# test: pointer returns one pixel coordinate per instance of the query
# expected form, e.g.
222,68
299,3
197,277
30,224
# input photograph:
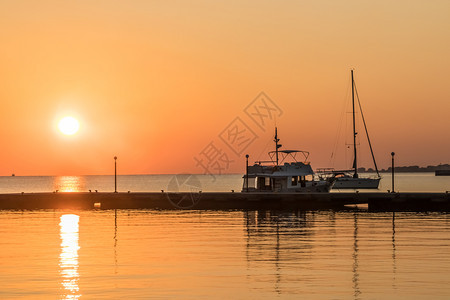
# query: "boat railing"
289,155
264,162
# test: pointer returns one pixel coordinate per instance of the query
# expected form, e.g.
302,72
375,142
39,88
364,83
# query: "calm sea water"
406,182
150,254
143,254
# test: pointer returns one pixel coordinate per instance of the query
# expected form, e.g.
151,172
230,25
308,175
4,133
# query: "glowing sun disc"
68,125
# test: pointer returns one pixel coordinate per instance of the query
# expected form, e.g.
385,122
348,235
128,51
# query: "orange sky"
155,82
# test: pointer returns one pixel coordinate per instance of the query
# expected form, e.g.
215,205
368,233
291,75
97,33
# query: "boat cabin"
292,176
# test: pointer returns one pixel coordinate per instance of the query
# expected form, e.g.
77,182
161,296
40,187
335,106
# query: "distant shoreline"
409,169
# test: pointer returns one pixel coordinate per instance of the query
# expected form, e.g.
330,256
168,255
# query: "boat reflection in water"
68,259
69,184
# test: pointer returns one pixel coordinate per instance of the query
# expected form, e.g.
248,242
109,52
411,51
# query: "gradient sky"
156,82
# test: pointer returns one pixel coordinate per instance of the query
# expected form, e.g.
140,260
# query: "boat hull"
315,187
323,186
356,183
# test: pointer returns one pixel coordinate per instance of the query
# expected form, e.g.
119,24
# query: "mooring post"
115,174
246,172
393,154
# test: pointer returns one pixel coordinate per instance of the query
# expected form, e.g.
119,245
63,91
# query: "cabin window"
263,183
294,180
302,181
251,182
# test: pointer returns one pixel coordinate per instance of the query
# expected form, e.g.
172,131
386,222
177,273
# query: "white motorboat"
284,173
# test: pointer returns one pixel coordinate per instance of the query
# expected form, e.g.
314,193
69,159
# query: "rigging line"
339,127
367,132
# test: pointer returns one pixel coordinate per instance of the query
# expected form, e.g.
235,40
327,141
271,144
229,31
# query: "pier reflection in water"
68,259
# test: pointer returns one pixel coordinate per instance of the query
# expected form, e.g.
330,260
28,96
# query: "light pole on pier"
393,154
115,174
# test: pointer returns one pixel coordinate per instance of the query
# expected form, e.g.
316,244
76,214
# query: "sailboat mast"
355,165
276,140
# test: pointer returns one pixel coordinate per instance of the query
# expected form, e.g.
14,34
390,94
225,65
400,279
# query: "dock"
226,201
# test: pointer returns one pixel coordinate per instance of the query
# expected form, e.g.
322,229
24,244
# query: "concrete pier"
227,200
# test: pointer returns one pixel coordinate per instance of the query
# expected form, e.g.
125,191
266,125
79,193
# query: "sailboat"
350,179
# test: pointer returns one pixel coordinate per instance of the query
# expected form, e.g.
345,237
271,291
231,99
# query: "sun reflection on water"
69,183
68,259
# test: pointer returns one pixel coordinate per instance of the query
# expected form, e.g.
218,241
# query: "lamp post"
246,172
393,154
115,174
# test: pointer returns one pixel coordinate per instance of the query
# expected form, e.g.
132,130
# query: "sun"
68,125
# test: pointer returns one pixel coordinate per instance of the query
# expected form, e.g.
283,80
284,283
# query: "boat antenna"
276,140
367,132
355,165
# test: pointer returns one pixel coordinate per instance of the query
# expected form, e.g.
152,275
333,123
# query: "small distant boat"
284,174
350,179
442,173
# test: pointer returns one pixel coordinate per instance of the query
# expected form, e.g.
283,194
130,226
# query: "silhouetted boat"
286,176
350,179
442,173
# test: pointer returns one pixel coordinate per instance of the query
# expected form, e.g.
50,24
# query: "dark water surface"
141,254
